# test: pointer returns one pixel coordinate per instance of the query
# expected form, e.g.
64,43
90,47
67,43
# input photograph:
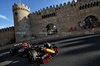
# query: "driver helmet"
24,44
47,45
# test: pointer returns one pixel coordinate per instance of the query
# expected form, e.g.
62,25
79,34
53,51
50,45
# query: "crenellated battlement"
64,16
20,7
52,9
7,29
89,5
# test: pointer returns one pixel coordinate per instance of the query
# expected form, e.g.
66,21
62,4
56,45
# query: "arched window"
51,29
90,22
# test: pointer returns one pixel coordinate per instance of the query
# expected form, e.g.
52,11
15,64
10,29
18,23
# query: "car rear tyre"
32,55
12,51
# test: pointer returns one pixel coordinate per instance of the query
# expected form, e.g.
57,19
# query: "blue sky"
6,14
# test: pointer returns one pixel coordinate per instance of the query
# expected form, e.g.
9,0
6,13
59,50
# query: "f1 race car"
35,53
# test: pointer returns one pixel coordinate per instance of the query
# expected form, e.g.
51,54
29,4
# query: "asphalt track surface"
74,51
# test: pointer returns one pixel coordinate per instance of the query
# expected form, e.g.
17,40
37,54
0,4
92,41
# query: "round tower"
21,22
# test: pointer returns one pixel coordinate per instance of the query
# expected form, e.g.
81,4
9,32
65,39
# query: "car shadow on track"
7,60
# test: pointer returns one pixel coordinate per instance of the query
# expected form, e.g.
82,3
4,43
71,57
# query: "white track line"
1,54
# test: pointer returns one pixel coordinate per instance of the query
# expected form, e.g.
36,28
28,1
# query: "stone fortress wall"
7,36
65,16
28,26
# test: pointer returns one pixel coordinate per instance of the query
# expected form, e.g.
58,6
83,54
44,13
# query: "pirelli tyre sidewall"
32,56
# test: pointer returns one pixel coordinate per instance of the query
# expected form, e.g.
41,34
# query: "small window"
94,4
88,5
16,13
80,7
91,4
54,14
46,16
50,15
42,16
97,3
74,4
85,5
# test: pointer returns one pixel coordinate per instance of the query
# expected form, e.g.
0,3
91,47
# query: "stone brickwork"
29,26
67,34
7,36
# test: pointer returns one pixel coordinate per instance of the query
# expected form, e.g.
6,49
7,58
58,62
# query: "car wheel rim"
10,52
30,58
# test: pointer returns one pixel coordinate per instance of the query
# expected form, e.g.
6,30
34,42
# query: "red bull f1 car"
35,53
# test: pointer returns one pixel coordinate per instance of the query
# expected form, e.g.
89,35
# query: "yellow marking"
51,51
31,57
30,53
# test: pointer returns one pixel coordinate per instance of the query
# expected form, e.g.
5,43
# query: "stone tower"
21,22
